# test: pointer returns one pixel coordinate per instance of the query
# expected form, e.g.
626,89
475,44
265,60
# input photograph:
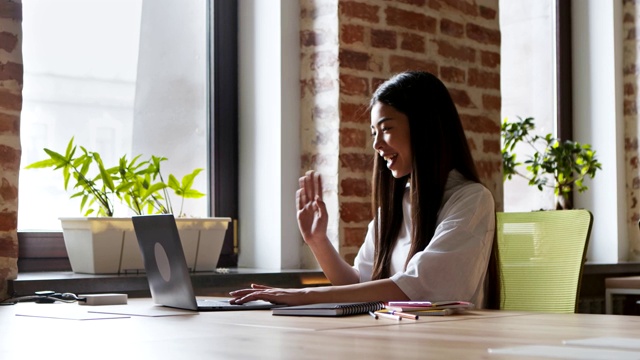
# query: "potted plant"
103,243
567,162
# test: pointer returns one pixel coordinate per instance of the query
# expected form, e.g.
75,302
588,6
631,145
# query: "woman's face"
390,132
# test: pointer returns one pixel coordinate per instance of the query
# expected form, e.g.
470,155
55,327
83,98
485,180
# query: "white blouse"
453,266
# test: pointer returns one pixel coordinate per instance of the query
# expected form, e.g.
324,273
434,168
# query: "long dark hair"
438,145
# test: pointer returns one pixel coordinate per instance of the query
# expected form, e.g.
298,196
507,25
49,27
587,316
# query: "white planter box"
109,246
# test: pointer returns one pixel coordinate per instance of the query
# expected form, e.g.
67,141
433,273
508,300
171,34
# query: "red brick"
8,249
484,79
412,42
453,75
403,63
10,10
353,138
628,18
8,192
355,212
472,144
8,222
487,169
384,39
629,89
353,85
483,35
314,161
410,20
354,236
487,13
9,158
461,98
8,41
491,102
451,28
630,144
313,38
354,59
354,113
489,59
375,82
356,162
315,86
351,34
11,71
479,124
465,6
413,2
355,187
490,146
9,124
349,257
10,101
631,34
630,107
447,50
629,69
359,10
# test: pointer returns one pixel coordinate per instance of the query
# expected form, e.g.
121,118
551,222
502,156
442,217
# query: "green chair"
541,256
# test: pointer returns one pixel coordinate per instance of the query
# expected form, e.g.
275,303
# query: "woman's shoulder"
458,187
456,182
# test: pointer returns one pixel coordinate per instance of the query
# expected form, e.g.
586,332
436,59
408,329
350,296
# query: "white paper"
51,312
141,310
607,342
568,352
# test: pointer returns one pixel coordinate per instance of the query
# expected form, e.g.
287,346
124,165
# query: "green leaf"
42,164
192,194
173,183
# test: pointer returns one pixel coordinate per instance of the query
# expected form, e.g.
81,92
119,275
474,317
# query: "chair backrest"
541,256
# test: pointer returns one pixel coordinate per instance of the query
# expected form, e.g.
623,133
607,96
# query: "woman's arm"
312,220
377,290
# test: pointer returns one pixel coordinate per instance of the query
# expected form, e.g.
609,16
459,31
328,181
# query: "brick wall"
631,76
364,43
10,106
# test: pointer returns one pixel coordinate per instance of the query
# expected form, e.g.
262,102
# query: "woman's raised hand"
311,209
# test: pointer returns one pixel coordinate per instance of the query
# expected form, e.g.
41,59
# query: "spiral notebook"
330,309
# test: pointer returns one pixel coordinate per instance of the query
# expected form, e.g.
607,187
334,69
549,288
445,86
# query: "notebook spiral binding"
361,308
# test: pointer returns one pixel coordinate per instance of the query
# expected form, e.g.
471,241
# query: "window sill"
217,283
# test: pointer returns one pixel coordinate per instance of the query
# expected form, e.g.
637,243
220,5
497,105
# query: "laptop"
166,267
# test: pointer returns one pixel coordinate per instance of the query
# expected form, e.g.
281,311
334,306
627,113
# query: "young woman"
432,234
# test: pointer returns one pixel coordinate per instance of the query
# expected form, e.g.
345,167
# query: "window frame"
45,251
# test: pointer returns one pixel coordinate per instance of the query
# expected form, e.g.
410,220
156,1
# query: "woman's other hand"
311,209
273,295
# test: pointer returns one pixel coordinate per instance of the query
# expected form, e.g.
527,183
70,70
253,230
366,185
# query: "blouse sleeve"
363,262
453,266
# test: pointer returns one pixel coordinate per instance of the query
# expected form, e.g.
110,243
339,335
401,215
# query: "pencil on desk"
405,315
387,315
375,316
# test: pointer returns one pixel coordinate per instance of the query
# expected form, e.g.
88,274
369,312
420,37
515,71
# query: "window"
129,77
536,81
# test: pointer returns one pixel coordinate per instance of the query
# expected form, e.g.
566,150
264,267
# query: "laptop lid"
167,271
164,261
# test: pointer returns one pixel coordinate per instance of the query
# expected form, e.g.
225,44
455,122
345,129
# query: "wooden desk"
259,335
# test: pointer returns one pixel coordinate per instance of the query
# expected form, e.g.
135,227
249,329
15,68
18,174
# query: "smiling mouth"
390,159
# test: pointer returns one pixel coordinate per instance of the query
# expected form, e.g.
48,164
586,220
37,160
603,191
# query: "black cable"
44,297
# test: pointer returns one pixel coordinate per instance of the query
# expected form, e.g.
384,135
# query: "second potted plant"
567,163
